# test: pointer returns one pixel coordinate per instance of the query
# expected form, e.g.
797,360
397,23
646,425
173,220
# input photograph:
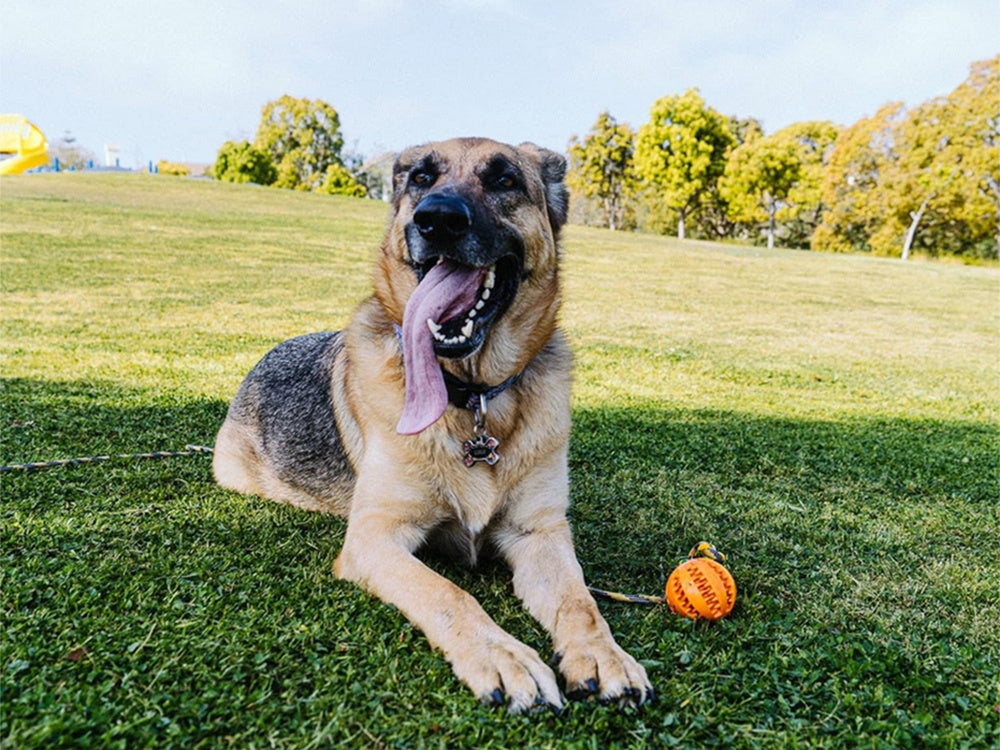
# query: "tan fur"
407,486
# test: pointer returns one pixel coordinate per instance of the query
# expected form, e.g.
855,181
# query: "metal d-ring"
480,413
481,447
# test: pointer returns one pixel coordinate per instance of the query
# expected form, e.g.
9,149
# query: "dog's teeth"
480,305
486,293
435,328
460,339
471,314
491,279
467,330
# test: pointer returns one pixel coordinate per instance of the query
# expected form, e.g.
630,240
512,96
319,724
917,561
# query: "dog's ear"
553,170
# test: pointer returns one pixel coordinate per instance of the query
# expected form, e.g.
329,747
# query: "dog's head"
471,252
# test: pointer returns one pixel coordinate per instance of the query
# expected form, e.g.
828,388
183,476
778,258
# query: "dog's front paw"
599,667
503,671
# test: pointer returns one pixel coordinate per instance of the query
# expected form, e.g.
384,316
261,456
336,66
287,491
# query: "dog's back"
280,438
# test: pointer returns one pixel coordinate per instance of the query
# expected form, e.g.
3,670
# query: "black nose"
442,216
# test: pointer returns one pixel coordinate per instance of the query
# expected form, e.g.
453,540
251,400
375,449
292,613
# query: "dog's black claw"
584,691
650,695
541,705
556,658
495,699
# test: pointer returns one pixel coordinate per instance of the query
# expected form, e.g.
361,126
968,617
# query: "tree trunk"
994,186
772,209
680,225
911,233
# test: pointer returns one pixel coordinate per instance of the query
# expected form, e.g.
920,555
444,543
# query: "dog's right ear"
553,169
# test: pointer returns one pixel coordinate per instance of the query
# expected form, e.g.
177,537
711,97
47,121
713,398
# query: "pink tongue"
446,290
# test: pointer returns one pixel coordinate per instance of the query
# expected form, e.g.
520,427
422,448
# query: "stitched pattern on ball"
701,588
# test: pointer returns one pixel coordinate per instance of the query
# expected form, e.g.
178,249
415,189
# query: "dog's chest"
466,504
470,497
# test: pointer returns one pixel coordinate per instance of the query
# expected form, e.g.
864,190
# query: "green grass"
831,422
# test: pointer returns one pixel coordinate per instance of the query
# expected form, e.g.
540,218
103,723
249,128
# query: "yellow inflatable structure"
22,145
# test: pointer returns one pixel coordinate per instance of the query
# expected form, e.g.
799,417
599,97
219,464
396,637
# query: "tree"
759,176
943,188
601,167
243,162
919,182
302,137
713,215
804,207
855,207
975,131
681,152
339,181
745,129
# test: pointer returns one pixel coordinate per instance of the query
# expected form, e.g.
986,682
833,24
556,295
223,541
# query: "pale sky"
174,80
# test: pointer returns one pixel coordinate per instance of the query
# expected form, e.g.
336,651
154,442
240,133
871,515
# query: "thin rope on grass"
616,596
189,450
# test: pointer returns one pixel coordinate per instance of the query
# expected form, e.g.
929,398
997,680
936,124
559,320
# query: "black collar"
466,395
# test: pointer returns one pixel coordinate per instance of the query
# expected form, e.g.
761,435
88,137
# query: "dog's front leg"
536,541
378,555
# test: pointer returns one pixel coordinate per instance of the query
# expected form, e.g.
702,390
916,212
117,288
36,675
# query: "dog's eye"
506,181
421,178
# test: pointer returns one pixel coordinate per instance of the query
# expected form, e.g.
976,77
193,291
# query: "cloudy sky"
175,79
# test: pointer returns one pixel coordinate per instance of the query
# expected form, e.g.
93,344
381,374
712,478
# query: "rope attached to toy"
700,587
189,450
617,596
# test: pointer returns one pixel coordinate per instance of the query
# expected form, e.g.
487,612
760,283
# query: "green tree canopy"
681,152
918,185
975,132
601,167
302,137
855,208
242,162
925,178
759,176
339,181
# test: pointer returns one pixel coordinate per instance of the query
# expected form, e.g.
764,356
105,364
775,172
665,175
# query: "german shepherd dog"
440,416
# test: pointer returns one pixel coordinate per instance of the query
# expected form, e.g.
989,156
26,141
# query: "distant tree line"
925,179
299,146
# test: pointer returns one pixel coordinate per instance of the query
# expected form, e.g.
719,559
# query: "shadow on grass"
160,606
661,477
657,481
646,482
911,458
45,420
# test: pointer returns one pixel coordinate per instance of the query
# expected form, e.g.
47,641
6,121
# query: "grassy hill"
831,422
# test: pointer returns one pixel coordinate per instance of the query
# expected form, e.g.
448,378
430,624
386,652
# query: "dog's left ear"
553,170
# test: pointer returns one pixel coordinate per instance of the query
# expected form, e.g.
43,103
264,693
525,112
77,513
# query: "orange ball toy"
700,587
